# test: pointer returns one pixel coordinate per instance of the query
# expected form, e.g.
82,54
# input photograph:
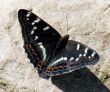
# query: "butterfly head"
66,37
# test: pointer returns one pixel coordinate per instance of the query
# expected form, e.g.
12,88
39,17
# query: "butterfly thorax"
61,44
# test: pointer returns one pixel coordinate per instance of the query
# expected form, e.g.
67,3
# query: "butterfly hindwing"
74,56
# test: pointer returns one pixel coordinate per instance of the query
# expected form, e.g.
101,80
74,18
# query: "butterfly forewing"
39,37
34,28
74,56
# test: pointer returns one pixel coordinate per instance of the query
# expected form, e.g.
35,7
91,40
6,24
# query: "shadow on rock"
82,80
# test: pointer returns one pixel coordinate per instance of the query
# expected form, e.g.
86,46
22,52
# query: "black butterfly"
50,53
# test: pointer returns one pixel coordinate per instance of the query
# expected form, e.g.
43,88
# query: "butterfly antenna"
68,27
67,22
60,27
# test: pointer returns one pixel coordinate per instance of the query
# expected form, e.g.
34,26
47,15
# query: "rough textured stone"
87,21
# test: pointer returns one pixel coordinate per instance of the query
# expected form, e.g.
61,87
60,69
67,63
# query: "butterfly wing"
74,56
39,37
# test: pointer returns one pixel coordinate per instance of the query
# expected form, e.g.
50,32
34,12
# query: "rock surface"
86,21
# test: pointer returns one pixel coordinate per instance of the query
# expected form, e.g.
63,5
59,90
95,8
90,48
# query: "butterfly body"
50,53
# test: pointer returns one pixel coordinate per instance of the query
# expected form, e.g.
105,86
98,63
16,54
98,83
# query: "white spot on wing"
29,12
70,70
27,18
64,58
41,46
80,55
60,59
28,15
86,49
93,54
34,28
78,46
37,20
46,28
33,23
71,58
39,43
43,50
77,59
84,54
89,57
36,37
32,32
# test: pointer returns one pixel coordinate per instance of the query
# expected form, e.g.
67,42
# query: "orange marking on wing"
51,69
40,62
60,66
48,70
35,54
33,50
40,66
65,66
55,68
38,59
29,46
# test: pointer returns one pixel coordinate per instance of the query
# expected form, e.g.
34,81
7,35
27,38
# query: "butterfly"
50,53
